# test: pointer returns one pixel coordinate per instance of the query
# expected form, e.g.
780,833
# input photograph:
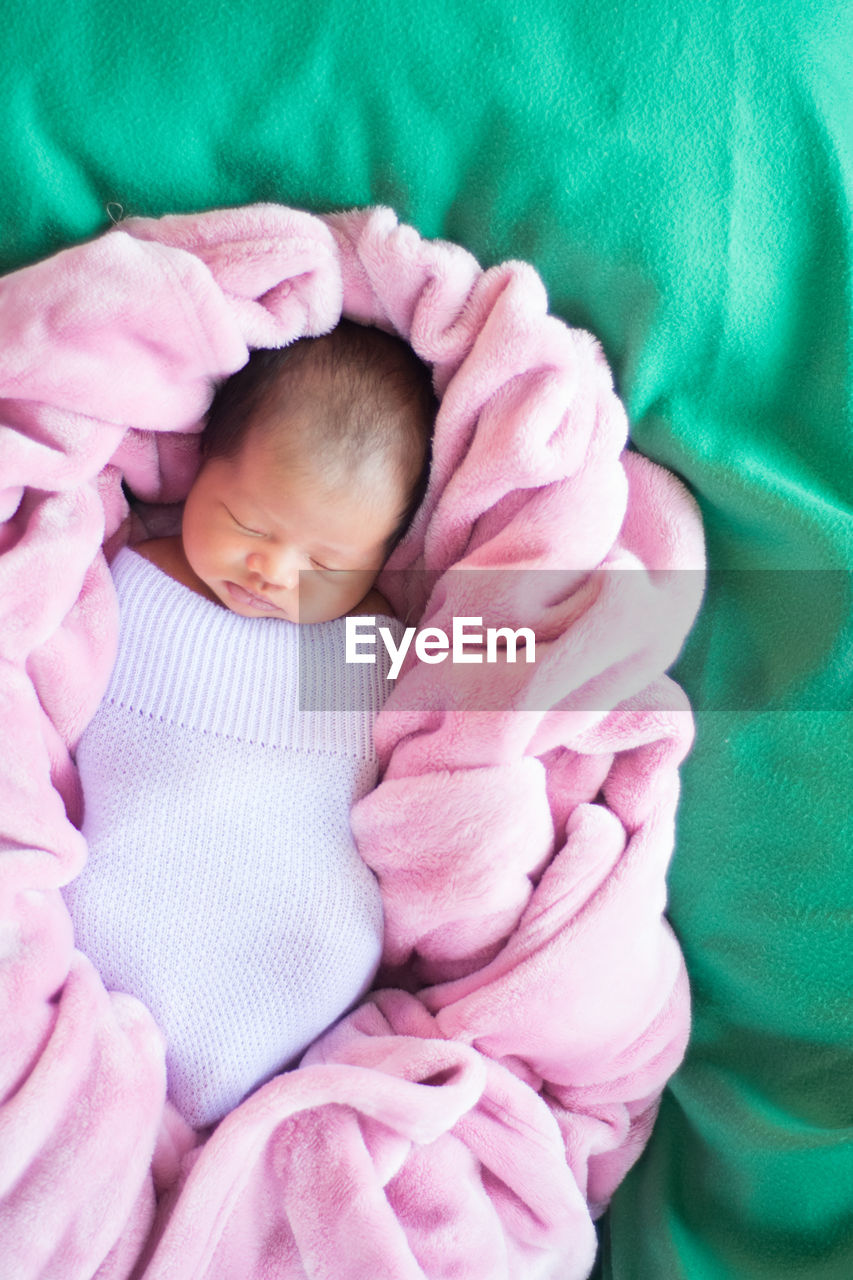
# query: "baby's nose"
278,568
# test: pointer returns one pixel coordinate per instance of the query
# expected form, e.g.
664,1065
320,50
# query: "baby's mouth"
240,596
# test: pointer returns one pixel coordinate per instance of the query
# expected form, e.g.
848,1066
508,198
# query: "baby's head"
314,457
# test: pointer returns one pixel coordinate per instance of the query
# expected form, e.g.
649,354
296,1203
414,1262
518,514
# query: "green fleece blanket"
680,175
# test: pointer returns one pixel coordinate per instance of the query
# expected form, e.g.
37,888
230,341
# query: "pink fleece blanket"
472,1117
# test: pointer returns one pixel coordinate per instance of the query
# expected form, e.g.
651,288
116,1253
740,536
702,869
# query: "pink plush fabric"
472,1117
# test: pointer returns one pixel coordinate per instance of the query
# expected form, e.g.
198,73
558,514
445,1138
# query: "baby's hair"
362,393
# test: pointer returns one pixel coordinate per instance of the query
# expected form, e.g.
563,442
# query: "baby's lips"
247,599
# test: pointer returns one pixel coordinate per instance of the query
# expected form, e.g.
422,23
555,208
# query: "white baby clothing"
223,886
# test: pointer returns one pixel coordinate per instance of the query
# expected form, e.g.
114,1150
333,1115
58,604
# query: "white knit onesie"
223,886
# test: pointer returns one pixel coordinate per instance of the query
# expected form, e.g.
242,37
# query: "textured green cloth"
681,176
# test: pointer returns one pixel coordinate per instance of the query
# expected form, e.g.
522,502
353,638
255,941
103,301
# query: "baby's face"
252,524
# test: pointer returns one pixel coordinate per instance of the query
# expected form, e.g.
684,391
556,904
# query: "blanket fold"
476,1116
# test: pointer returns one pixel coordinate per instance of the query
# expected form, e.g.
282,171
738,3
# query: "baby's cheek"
323,597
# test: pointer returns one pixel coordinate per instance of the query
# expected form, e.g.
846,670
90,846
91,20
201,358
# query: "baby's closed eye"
257,533
326,568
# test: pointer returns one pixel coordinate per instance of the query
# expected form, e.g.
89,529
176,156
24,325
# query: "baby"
223,886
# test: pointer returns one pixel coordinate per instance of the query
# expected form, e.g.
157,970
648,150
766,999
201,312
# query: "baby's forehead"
265,475
333,463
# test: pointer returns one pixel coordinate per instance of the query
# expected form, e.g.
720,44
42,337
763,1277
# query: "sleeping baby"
223,886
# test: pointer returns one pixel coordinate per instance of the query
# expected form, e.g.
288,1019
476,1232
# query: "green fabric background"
681,176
